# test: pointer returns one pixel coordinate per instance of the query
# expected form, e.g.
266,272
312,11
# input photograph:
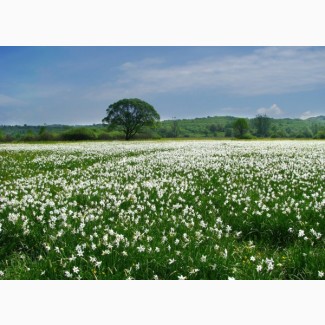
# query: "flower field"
163,210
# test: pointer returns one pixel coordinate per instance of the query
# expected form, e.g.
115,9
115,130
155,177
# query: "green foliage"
213,129
240,127
29,136
131,115
45,135
185,128
262,123
2,136
228,132
304,133
42,130
77,134
175,129
167,210
113,135
147,133
320,134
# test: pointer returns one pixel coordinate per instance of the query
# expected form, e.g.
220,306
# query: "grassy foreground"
163,210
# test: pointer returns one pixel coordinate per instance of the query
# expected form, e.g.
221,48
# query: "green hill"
221,126
216,126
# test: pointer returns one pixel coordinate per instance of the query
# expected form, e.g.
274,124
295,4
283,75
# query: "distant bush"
279,134
8,138
147,134
29,136
320,134
228,132
77,134
46,136
104,136
110,135
248,136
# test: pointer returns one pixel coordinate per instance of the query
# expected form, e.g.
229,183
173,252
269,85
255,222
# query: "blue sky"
75,85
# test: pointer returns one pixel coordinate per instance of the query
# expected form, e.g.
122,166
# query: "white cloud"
271,111
7,100
307,114
271,70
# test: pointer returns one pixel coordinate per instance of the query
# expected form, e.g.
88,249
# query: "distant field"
163,210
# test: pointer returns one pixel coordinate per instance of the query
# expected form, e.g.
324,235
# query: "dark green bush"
320,134
46,136
77,134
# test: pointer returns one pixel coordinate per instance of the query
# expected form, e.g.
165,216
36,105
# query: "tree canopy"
131,115
240,127
262,124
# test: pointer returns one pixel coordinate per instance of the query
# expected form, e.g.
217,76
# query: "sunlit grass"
163,210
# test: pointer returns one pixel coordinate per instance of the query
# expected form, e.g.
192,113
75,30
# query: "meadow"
163,210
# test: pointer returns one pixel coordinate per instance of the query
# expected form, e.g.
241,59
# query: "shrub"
248,136
77,134
29,136
320,134
46,136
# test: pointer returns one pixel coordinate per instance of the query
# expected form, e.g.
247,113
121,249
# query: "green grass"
163,209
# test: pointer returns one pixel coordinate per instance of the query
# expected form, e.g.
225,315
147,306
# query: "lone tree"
240,127
130,115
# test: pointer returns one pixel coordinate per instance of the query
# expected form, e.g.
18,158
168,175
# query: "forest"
206,127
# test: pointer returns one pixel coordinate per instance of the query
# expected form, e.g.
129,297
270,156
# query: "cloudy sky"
75,85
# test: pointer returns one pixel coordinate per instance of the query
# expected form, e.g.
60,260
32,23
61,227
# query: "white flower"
13,217
193,271
141,248
225,254
75,269
301,233
252,258
68,274
259,268
320,274
231,278
2,273
181,277
171,261
270,264
203,258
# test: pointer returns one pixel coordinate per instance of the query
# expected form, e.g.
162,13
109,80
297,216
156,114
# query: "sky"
75,85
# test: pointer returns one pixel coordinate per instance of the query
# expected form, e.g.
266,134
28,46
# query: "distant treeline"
209,127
